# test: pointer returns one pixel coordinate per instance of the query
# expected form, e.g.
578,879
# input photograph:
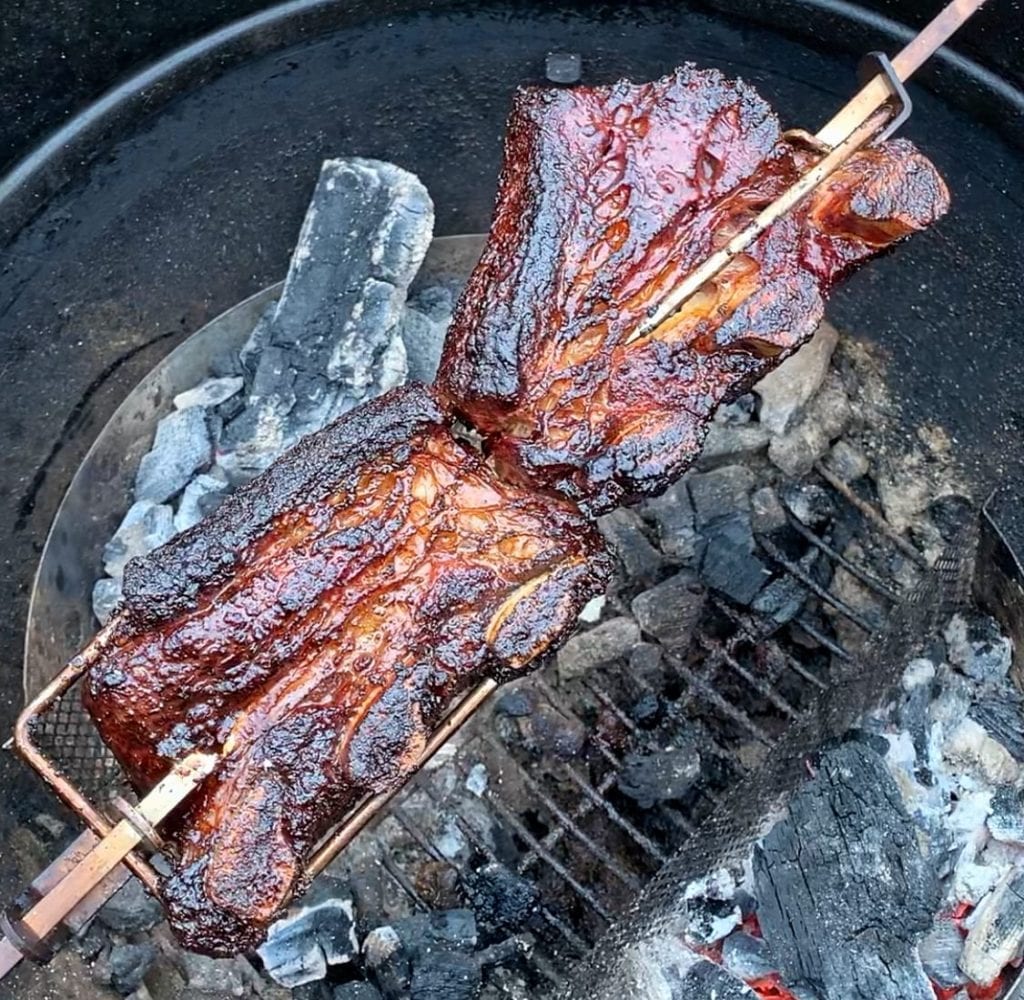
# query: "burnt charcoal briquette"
844,889
501,899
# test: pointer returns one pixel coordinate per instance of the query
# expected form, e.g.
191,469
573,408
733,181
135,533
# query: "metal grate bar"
765,690
535,845
868,579
699,688
558,702
811,584
396,872
567,825
576,942
872,513
818,636
606,700
614,815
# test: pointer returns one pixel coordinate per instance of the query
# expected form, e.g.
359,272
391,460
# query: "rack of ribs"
314,630
608,198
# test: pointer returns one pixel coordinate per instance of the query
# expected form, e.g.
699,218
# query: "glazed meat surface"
608,197
314,629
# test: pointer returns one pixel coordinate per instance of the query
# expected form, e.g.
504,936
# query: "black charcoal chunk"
766,511
563,67
746,956
129,964
659,775
845,892
106,595
130,910
730,443
424,340
180,449
718,494
781,600
670,611
1006,820
445,975
548,731
672,514
729,564
502,899
811,504
623,530
1002,716
705,979
605,642
146,526
202,496
356,991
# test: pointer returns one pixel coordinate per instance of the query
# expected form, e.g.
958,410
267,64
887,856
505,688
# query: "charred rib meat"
314,630
608,197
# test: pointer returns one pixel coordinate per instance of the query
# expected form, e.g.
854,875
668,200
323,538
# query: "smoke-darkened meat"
608,197
315,628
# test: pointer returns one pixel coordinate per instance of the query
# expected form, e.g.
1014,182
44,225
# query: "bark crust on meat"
325,617
608,198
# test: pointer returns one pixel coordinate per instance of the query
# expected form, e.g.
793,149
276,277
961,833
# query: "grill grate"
563,823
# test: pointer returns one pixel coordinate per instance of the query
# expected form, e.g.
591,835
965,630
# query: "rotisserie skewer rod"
849,130
43,918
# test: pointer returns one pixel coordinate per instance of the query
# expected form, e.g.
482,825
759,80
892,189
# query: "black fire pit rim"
71,150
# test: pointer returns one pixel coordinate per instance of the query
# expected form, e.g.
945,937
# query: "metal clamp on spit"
878,64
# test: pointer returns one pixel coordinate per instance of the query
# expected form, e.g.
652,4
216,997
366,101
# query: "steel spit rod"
852,127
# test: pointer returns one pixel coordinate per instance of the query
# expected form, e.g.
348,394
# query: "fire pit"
739,600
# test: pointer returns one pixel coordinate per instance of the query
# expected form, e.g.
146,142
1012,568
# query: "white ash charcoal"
146,526
659,775
476,780
423,338
672,513
843,887
918,673
940,950
199,498
593,608
563,67
210,393
249,355
623,530
606,642
746,956
810,504
313,935
996,936
847,461
781,600
221,976
710,908
670,611
335,337
739,411
969,746
729,443
729,564
451,841
972,881
720,493
785,391
106,595
826,417
782,393
180,449
1006,821
978,648
766,511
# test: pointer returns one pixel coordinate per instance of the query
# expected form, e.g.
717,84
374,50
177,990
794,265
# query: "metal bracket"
878,64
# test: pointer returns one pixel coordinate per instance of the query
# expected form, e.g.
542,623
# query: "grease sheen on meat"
608,197
315,628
